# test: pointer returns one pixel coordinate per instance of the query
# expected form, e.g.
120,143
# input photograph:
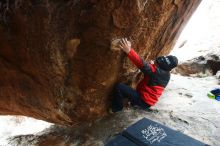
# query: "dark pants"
122,91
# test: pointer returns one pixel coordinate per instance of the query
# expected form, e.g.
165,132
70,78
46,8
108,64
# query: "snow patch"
19,125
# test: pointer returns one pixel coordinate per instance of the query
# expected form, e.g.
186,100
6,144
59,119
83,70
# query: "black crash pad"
149,133
146,132
120,141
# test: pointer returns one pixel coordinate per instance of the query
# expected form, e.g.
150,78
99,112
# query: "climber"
149,89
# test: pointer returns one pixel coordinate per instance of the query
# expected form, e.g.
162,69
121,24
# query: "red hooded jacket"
155,79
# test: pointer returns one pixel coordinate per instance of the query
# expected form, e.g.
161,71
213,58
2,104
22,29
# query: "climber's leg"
120,92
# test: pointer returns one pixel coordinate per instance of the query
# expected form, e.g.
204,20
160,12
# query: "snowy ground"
192,112
202,33
184,106
19,125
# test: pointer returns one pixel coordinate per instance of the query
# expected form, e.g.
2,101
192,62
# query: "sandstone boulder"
56,59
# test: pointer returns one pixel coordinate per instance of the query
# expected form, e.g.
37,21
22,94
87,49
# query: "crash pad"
120,141
146,132
150,133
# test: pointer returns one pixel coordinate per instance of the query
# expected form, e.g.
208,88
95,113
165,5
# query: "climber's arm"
125,45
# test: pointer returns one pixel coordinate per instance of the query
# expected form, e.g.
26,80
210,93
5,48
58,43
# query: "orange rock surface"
56,59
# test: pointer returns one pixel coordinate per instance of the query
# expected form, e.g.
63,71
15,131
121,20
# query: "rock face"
55,57
201,66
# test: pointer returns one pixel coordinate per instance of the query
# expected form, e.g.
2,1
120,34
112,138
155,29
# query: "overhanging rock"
55,57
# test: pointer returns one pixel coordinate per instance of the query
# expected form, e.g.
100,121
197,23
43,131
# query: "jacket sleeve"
140,63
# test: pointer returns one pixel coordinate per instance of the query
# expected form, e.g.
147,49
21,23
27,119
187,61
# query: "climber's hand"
125,45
